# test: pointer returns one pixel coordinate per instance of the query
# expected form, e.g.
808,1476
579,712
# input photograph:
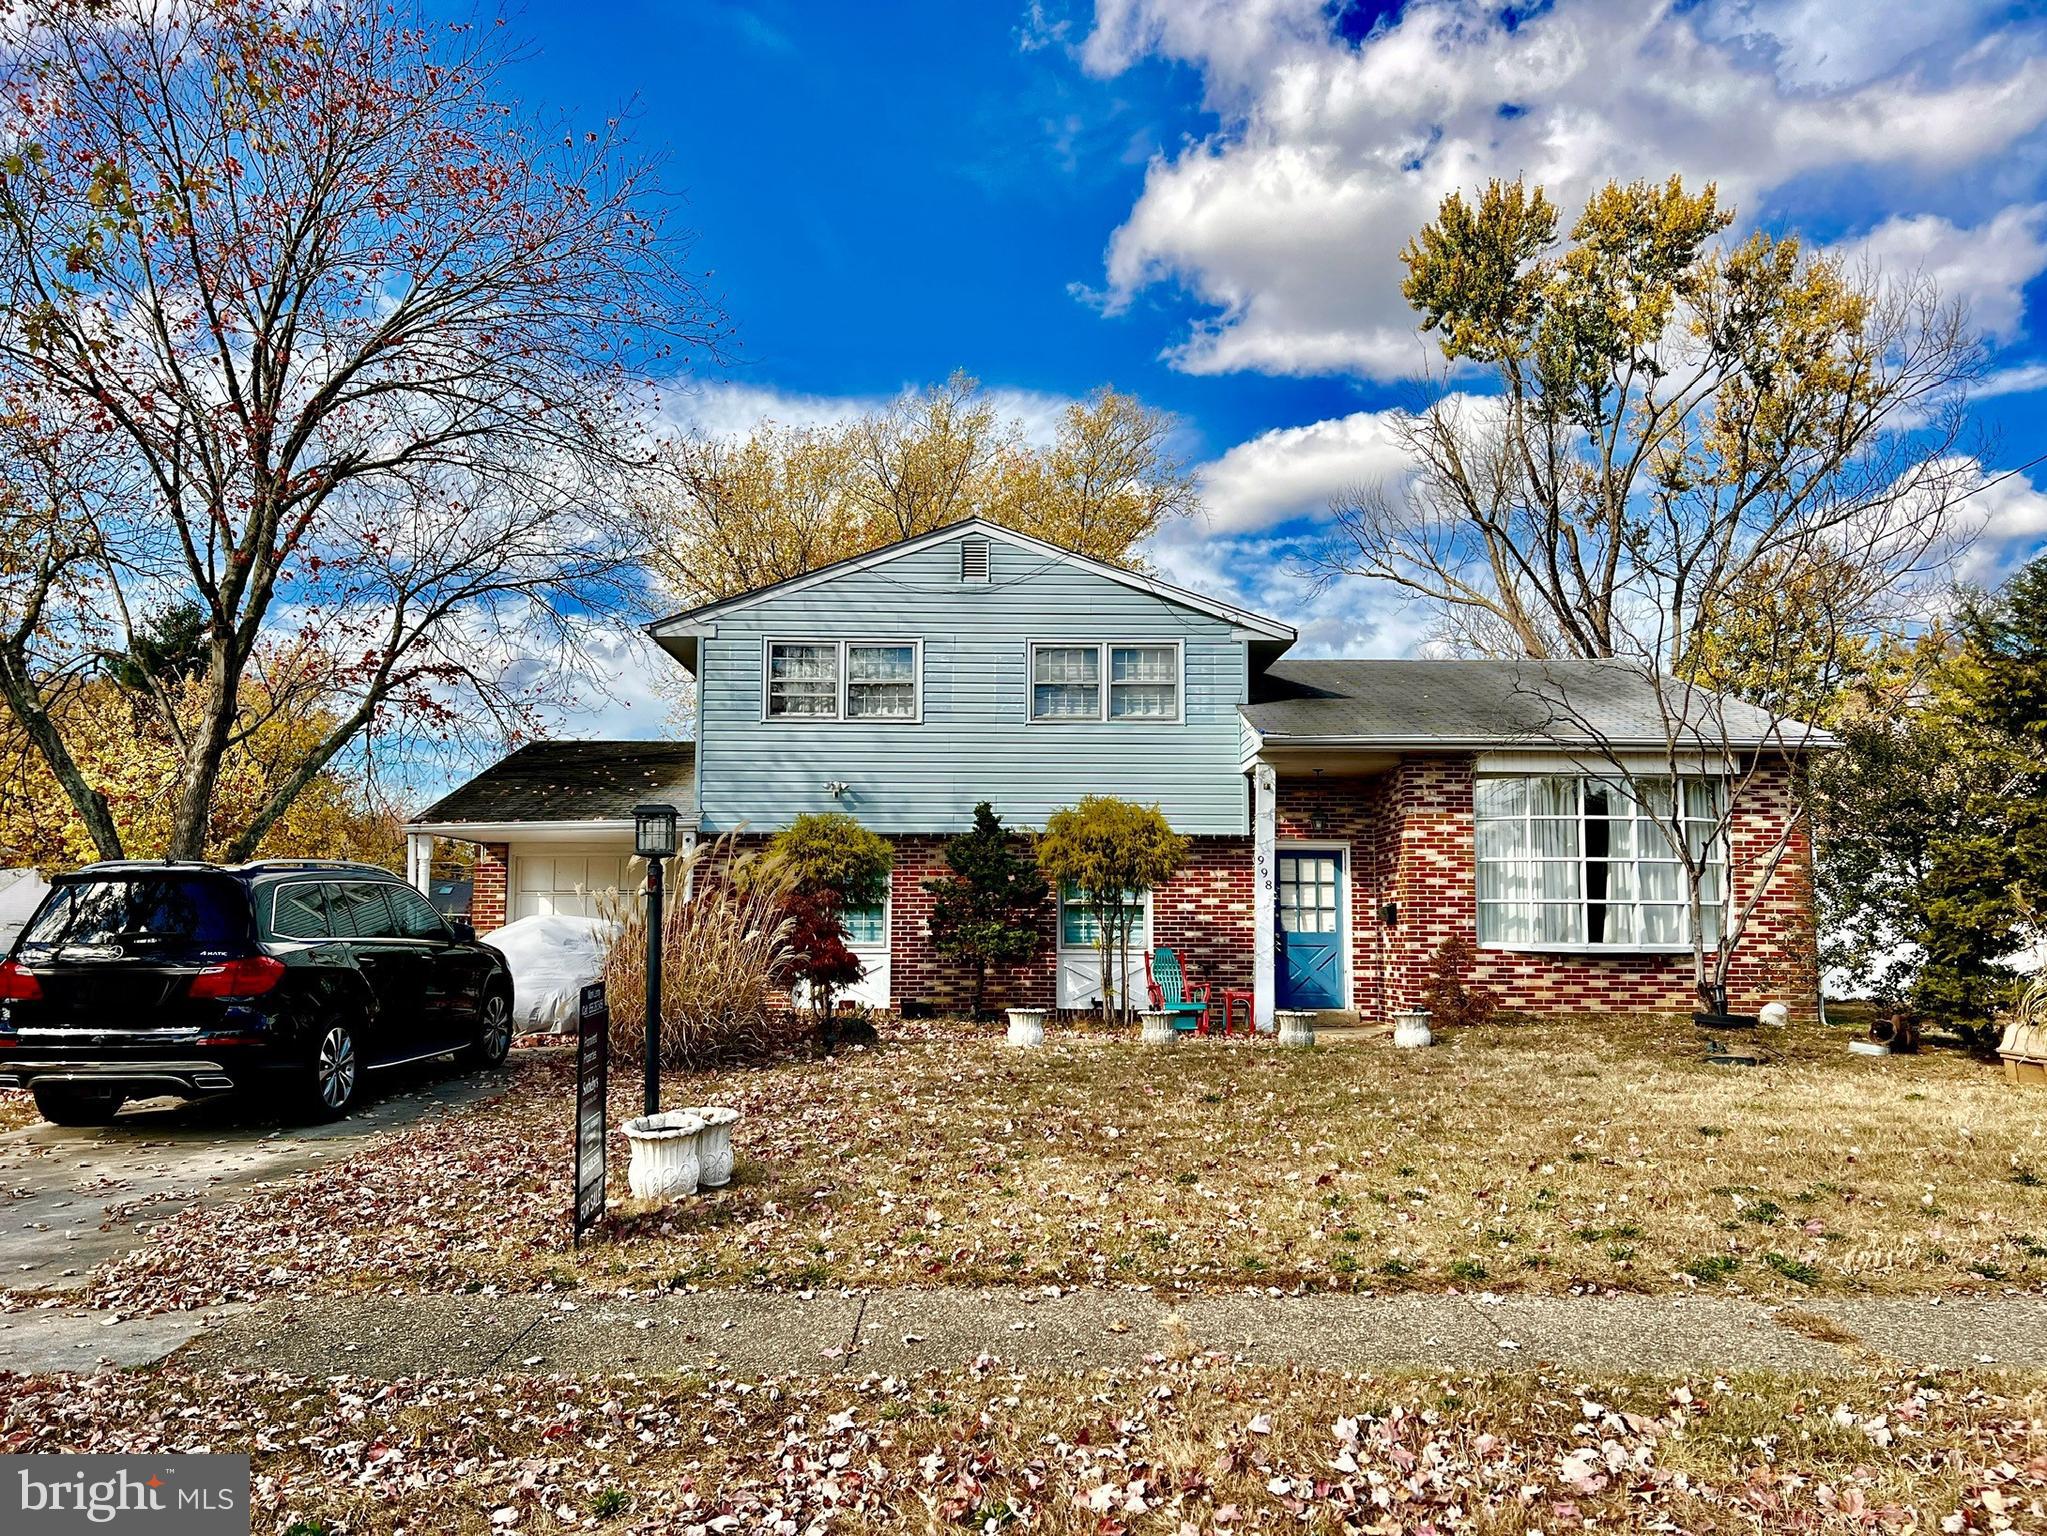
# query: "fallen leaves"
940,1158
1210,1445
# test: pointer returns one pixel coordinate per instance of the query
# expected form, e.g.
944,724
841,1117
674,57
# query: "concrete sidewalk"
906,1331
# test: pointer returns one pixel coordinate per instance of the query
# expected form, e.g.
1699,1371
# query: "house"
1346,817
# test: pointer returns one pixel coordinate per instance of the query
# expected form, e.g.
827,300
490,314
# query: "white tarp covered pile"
21,892
552,958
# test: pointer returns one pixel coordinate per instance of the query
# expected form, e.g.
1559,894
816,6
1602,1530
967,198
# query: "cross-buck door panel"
1310,928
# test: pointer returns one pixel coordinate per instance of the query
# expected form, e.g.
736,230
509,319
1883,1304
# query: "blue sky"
1201,200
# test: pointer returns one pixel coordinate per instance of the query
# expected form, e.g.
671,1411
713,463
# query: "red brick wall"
919,973
1204,913
487,901
1426,865
1409,832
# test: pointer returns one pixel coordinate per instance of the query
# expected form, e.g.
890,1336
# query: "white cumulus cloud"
1297,471
1286,222
1987,266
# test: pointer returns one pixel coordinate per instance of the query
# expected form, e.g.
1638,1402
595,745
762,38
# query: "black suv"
292,977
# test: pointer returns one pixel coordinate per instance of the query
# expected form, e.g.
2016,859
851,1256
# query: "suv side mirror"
464,934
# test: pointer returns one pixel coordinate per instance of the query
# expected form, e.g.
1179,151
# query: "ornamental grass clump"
724,954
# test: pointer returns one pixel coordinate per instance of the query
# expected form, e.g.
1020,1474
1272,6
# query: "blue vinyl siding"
974,741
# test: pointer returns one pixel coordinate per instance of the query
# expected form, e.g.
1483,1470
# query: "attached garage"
554,824
546,882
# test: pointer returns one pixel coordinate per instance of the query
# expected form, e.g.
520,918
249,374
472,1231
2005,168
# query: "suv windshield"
171,919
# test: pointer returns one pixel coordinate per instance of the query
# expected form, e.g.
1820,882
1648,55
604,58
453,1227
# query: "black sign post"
593,1068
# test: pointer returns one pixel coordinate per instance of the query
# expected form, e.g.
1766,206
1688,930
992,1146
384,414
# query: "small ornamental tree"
830,862
1452,1002
1110,851
990,909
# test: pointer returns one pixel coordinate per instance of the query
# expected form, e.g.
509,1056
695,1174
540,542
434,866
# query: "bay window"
1578,861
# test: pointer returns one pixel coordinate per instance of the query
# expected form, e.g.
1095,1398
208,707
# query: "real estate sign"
593,1068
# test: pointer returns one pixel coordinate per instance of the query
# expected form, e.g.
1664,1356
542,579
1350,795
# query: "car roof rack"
265,865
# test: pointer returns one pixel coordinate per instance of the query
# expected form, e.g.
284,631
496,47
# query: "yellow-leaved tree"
722,517
129,758
1722,465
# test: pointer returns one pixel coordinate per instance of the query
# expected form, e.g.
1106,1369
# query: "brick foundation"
1409,838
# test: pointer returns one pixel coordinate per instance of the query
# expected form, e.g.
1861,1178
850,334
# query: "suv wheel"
68,1104
336,1073
493,1029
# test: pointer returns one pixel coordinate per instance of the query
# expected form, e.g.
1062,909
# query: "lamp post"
654,840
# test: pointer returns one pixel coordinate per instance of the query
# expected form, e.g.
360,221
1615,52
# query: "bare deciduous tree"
307,327
1709,469
1672,421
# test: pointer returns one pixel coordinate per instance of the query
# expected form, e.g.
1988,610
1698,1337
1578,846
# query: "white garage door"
549,884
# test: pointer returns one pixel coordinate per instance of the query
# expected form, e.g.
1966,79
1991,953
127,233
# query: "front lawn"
1201,1445
1534,1157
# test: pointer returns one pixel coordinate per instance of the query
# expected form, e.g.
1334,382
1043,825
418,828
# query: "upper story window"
1577,862
842,680
1105,680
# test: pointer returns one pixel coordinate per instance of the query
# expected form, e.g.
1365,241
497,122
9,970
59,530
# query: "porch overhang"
521,831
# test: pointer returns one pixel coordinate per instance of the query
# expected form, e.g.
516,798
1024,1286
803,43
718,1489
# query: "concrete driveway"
71,1199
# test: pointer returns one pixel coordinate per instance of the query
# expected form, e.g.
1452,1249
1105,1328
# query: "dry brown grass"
1201,1445
1547,1158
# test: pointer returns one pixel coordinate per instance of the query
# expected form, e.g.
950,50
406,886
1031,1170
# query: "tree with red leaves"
307,326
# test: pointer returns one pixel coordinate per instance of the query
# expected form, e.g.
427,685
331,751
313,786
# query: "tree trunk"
193,818
1105,942
42,731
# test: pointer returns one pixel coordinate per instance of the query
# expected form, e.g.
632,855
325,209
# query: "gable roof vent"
973,559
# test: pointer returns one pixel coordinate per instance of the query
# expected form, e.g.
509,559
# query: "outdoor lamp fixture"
654,840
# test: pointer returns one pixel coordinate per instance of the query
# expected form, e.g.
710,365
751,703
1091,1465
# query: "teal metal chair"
1172,993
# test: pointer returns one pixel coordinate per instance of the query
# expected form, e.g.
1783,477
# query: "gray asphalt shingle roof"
573,781
1476,702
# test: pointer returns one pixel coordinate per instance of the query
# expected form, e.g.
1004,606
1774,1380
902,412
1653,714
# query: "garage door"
545,885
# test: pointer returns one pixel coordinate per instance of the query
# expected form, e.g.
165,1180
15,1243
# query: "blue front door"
1310,929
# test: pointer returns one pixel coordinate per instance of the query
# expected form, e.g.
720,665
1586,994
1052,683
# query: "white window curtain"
1105,681
804,677
1584,861
803,680
1066,682
881,682
1144,682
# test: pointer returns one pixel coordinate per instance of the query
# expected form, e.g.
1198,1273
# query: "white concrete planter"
1155,1028
1411,1029
665,1155
714,1147
1296,1025
1027,1026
